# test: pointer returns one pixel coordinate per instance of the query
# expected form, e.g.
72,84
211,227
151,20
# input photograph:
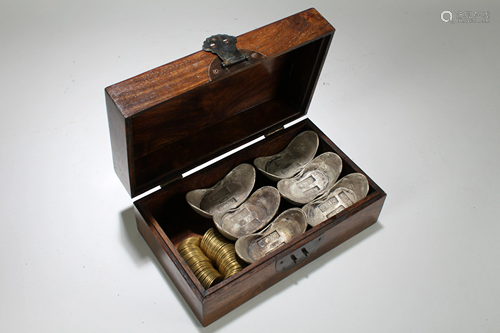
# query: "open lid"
175,117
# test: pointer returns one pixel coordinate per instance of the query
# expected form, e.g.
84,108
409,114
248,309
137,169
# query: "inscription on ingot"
311,184
312,190
282,164
222,199
345,198
219,195
270,242
226,205
328,204
265,245
269,239
335,211
336,204
242,223
306,182
243,217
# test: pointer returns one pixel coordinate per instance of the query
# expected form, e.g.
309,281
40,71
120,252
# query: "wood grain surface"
168,81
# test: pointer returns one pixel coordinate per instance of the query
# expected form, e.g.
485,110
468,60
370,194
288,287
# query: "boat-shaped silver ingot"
254,214
292,159
318,177
228,193
287,226
347,191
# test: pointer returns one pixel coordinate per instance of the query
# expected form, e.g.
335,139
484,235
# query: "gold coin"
222,253
208,277
211,279
192,261
189,242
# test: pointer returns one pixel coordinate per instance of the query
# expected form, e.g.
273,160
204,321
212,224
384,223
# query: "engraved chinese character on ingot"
227,193
274,236
217,196
288,225
328,204
241,220
290,161
306,182
225,205
251,216
343,194
318,177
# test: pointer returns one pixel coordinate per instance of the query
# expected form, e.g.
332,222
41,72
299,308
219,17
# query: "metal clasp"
225,47
298,256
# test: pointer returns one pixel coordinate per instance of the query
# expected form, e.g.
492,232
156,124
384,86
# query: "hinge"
171,181
272,132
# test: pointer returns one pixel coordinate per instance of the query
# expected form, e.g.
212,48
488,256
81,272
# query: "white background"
412,100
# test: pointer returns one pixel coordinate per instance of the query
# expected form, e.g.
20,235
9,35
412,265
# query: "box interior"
168,206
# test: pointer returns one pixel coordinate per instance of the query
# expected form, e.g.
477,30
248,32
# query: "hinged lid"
172,118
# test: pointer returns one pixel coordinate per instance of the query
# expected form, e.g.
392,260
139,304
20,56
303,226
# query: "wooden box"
176,117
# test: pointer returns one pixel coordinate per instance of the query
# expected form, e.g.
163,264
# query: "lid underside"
160,130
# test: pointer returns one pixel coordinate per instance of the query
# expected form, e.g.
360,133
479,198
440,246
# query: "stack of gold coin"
198,262
221,251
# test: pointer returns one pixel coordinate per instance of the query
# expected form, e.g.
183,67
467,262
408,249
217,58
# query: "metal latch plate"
298,256
225,47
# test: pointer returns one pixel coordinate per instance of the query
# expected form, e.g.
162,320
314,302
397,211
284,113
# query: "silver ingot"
347,191
318,177
253,215
292,159
287,226
228,193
